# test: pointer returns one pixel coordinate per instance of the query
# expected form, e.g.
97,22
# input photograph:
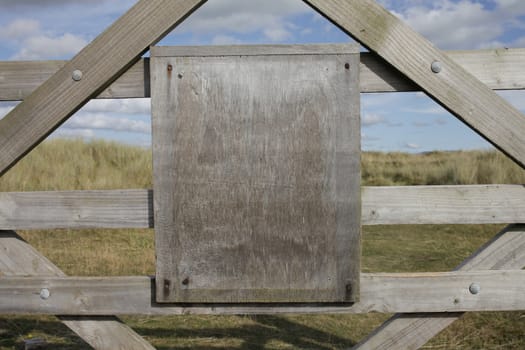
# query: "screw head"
474,288
77,75
436,67
44,294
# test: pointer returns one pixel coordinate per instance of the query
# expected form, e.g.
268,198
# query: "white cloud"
46,47
372,119
270,17
43,3
410,145
20,29
33,43
434,109
461,24
367,138
123,106
277,34
222,39
90,121
453,25
74,133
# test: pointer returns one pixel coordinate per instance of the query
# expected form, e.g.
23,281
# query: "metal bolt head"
44,293
436,67
77,75
474,288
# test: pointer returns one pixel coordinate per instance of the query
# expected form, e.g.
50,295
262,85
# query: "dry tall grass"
74,164
78,165
70,165
440,168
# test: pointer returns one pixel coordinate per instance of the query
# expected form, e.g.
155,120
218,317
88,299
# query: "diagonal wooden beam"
412,331
18,258
100,63
447,82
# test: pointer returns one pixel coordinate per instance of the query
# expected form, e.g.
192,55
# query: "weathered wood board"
499,69
257,174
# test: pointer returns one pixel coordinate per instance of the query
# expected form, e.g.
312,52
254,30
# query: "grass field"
68,165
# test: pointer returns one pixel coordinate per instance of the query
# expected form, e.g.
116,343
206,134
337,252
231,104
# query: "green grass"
68,165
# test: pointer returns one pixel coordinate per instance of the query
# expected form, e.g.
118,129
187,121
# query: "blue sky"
408,122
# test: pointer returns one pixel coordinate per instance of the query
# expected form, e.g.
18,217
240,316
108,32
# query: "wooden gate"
400,60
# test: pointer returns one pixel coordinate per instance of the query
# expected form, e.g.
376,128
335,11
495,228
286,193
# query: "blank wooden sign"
256,173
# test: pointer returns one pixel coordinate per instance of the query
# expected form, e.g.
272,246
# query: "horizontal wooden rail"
76,209
476,204
501,69
479,204
387,293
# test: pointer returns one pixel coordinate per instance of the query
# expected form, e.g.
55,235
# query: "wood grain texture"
454,88
76,209
501,290
499,69
18,79
253,50
257,175
105,332
477,204
17,258
473,204
411,331
101,62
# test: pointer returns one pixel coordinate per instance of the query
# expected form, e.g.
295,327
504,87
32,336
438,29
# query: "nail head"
77,75
44,293
474,288
436,67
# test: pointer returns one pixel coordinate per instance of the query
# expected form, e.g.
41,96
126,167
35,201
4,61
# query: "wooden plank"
473,204
253,50
18,79
499,69
76,209
107,332
477,204
457,90
257,179
412,331
101,62
500,290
